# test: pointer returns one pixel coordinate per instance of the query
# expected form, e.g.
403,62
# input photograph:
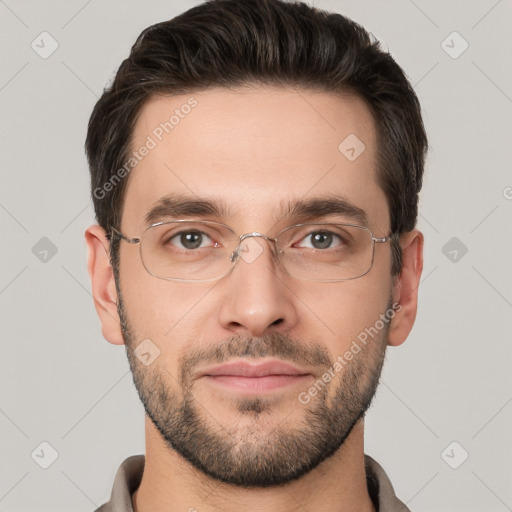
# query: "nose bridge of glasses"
252,251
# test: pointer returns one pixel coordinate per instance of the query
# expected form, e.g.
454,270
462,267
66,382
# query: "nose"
257,295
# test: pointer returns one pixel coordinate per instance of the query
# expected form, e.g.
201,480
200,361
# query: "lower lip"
256,384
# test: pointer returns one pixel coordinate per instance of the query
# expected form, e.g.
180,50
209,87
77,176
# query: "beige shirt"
129,476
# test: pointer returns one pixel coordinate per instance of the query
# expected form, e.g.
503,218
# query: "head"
242,113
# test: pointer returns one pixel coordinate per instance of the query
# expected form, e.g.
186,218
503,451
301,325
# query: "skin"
254,148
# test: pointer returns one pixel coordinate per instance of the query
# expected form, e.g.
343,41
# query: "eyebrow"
323,207
179,205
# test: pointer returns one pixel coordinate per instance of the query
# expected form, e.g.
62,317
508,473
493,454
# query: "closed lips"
248,370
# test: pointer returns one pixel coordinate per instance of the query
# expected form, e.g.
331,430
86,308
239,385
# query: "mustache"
276,345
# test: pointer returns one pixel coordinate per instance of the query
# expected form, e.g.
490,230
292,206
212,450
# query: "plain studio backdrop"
441,421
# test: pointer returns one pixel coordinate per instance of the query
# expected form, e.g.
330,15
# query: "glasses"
198,251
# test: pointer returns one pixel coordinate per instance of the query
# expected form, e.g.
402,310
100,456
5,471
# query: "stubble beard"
250,453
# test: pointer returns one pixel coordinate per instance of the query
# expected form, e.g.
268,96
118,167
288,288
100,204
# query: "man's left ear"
405,290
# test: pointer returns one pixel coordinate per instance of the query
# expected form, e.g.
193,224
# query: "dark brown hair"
229,43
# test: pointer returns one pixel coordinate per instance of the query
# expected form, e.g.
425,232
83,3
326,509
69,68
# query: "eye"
321,240
190,240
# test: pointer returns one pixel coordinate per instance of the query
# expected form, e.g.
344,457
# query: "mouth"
255,378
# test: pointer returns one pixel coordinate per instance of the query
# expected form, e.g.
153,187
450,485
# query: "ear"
103,284
405,290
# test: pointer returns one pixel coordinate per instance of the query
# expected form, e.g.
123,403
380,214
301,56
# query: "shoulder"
126,482
380,488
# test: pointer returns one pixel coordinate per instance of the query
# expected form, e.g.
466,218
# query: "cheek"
343,310
151,303
163,311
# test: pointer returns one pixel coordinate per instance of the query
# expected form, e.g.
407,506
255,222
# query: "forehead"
254,150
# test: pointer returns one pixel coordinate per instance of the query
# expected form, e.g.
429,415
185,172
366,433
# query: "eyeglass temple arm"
385,239
125,238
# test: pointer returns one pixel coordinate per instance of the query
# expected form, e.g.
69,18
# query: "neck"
172,484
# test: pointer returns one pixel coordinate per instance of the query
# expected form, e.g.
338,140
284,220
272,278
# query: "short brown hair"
229,43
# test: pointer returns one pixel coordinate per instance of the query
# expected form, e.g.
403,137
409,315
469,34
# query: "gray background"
62,383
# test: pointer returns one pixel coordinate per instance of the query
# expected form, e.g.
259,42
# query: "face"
255,152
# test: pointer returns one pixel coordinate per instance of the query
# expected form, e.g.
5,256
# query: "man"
255,171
